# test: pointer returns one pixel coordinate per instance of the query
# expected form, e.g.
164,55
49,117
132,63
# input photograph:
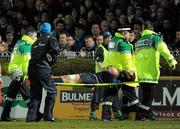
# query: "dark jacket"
44,51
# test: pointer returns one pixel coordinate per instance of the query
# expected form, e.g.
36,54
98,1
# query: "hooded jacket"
21,55
148,50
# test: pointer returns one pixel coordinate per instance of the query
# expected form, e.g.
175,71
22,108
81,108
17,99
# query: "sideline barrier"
74,102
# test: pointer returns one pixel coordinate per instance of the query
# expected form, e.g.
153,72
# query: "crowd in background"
77,23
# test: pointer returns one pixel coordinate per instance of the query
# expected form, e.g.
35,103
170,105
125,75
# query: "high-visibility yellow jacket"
121,55
147,55
21,55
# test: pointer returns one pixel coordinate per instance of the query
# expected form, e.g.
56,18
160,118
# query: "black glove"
126,76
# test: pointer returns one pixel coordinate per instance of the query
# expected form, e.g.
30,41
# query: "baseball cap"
45,28
106,34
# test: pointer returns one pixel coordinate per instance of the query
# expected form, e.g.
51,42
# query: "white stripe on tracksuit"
107,103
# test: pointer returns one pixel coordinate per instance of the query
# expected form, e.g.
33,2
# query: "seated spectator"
73,44
114,26
123,20
80,34
105,26
177,40
168,32
59,28
69,24
59,17
63,44
3,45
9,39
88,50
95,30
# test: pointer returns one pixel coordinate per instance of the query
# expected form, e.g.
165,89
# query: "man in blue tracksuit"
44,54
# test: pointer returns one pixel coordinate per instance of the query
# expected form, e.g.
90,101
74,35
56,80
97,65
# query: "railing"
62,55
73,55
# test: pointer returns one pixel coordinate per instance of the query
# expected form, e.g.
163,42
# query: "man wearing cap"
121,57
18,68
147,55
44,54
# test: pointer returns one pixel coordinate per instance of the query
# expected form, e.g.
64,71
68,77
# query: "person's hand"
113,71
173,67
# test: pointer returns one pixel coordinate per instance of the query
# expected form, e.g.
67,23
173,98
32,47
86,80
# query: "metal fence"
73,55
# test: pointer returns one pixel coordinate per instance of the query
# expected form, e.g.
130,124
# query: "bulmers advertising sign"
167,101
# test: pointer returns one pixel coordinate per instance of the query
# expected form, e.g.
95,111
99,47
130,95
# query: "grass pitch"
85,124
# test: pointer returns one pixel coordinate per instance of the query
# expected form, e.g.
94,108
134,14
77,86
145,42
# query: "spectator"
123,20
95,30
105,26
75,15
89,48
3,45
139,15
44,17
69,24
168,32
109,16
83,21
130,13
59,28
114,26
73,44
80,34
177,40
92,17
59,17
118,12
10,40
153,10
64,48
3,25
83,11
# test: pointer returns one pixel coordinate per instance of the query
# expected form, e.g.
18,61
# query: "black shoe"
146,117
39,116
152,118
51,119
8,119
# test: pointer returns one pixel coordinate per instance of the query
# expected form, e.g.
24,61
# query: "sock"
118,114
92,114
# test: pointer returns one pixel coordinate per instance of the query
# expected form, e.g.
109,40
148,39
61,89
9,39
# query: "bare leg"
73,78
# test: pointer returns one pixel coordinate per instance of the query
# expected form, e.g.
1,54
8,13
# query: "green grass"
85,124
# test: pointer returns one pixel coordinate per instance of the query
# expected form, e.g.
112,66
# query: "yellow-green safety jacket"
21,55
105,55
147,55
121,55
